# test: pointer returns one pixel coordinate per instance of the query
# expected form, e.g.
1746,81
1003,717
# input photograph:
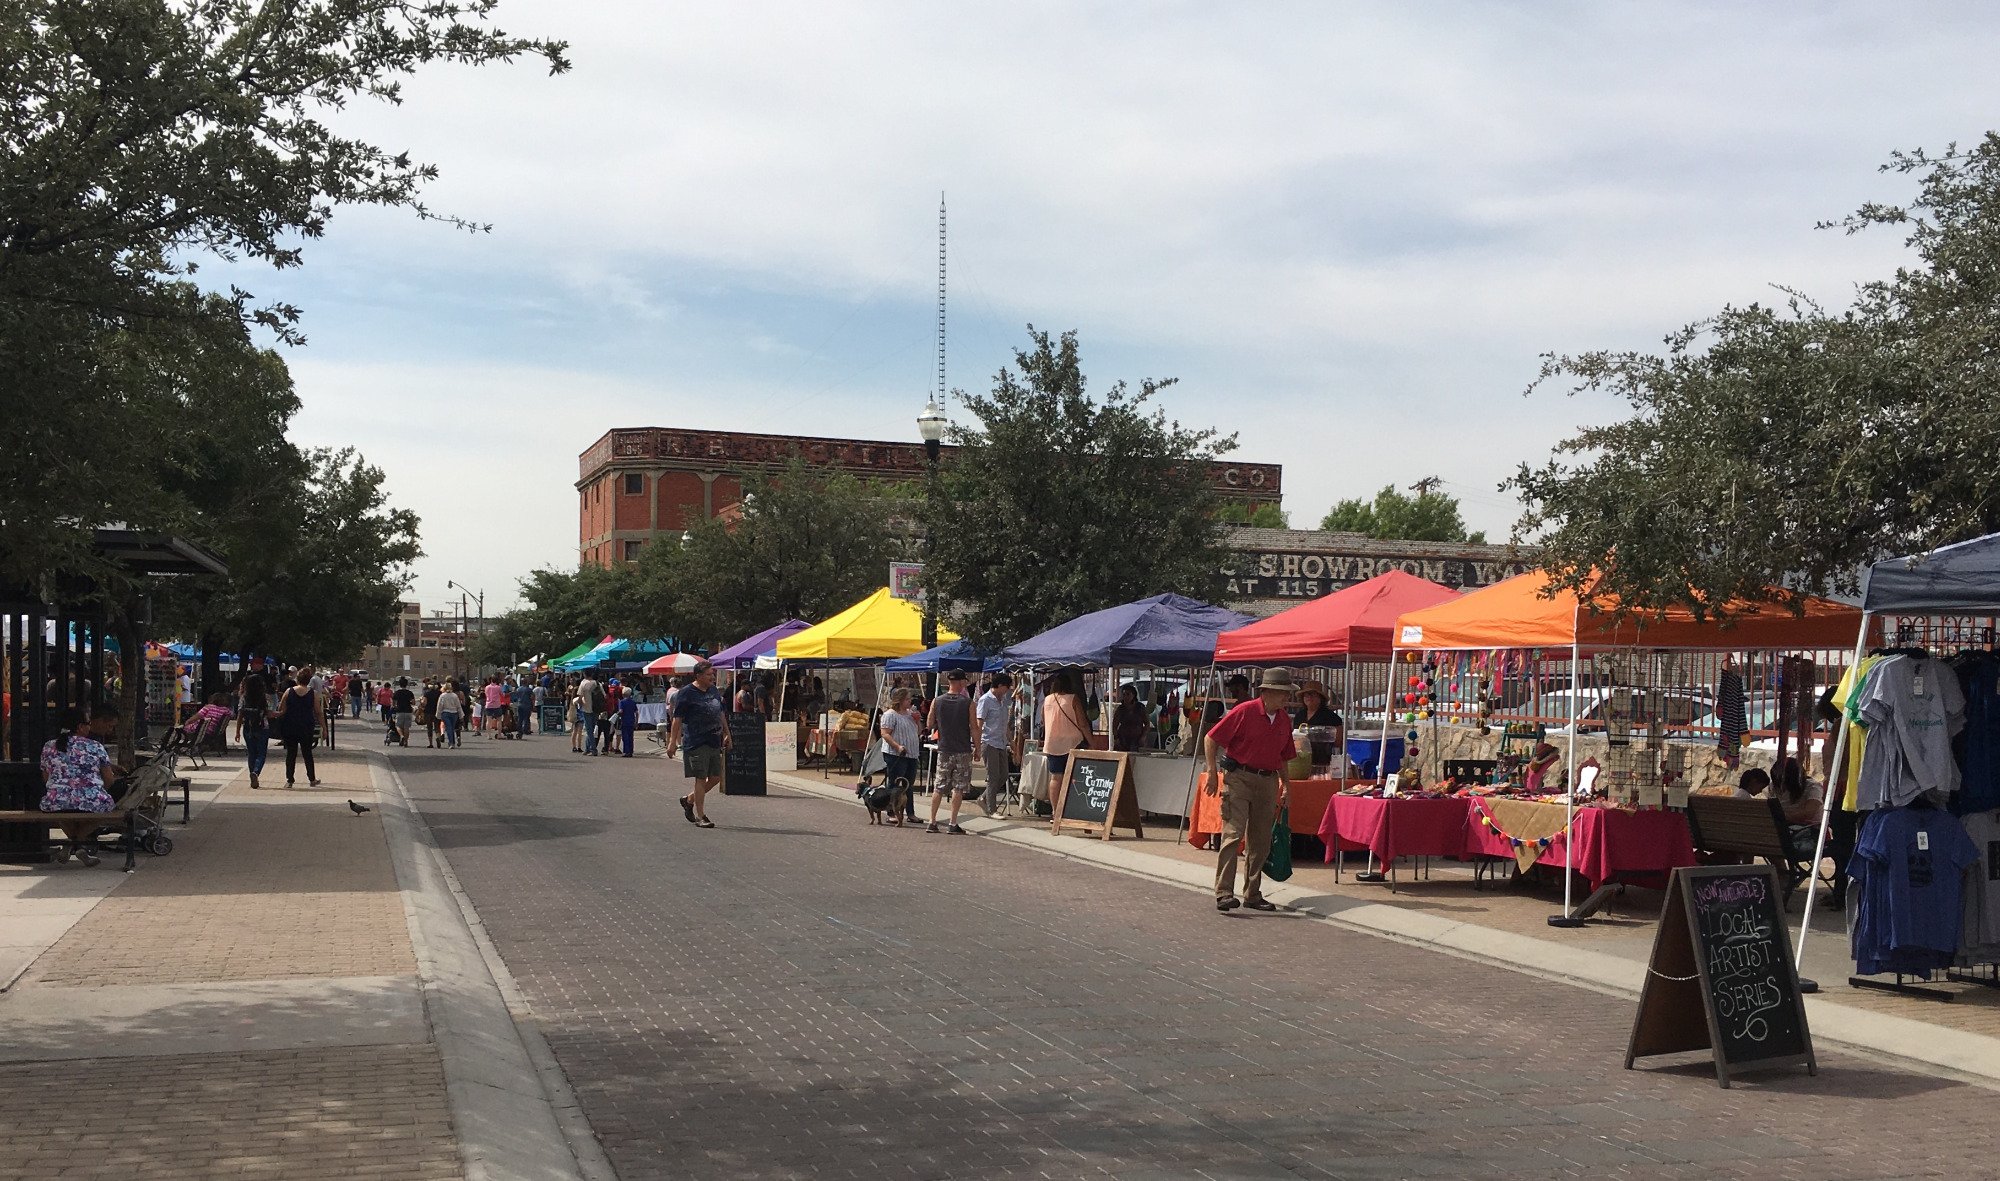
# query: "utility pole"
1426,486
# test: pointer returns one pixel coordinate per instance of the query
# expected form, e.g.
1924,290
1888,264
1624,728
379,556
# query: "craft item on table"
1534,832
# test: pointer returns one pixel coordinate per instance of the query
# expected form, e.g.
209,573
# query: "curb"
1912,1045
512,1110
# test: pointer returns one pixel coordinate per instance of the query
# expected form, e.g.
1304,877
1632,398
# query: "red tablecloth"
1307,803
1635,847
1395,827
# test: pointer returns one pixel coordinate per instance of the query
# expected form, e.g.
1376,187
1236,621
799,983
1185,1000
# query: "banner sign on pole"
903,580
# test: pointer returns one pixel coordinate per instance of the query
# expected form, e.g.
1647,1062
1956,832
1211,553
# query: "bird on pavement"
358,809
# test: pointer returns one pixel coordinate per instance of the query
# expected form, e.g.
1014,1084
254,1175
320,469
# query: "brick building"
635,484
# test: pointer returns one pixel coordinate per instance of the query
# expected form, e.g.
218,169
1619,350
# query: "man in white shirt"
993,734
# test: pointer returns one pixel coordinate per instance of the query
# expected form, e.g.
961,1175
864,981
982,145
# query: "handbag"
1278,863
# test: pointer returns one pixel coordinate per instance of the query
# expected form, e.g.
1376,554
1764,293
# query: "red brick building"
636,483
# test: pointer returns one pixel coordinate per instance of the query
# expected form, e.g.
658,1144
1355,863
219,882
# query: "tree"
1263,516
1396,516
1058,503
138,137
566,607
1775,451
808,543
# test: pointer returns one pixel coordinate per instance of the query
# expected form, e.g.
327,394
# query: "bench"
1750,828
135,813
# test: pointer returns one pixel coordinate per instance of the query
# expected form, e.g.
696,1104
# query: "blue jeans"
590,736
257,743
625,729
450,728
354,707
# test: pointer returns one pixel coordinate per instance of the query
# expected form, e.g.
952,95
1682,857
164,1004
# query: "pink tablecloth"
1395,828
1634,847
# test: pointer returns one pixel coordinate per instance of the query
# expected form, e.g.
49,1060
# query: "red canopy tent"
1359,620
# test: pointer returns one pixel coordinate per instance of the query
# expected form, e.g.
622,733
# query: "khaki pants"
1249,809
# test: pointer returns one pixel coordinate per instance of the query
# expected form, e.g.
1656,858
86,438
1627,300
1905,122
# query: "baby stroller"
142,795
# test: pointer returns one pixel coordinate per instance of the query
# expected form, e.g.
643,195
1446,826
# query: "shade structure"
744,653
570,659
633,655
959,654
879,627
673,664
1161,632
1962,577
1516,614
1359,620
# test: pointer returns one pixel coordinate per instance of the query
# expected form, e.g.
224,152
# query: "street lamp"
465,642
930,424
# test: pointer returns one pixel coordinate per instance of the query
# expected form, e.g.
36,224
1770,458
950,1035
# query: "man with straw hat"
1253,743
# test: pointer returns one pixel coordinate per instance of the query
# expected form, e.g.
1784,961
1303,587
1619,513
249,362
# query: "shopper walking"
496,701
1253,743
403,707
950,722
253,723
700,732
297,723
357,693
451,713
900,743
994,736
1064,725
590,700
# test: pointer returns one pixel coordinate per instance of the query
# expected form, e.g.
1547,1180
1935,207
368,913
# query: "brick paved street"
797,995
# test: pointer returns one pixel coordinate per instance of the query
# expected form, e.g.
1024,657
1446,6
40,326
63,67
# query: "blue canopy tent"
1161,632
959,654
634,655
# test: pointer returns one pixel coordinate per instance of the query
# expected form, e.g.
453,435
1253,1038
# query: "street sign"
903,580
1720,977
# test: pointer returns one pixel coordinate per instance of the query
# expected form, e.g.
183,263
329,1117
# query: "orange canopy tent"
1522,613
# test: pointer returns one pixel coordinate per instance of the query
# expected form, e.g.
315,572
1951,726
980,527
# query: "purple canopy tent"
1165,631
744,653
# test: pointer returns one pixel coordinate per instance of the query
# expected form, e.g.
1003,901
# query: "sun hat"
1276,680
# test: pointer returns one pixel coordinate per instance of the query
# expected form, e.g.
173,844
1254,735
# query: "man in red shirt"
1254,742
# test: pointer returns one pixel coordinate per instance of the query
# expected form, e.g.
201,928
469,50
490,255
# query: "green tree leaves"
1398,516
1787,447
1058,503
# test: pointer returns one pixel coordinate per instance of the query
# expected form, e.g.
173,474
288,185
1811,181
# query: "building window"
634,484
632,551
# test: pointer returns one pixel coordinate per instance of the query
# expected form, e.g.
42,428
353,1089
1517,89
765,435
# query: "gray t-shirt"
951,716
993,714
1982,903
1913,708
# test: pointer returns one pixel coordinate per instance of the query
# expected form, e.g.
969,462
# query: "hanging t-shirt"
1913,861
1913,708
1847,698
1979,680
1982,897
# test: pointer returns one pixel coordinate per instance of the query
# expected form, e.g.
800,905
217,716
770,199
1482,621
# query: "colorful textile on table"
1530,829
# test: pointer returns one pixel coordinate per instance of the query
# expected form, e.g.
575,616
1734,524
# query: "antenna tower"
940,386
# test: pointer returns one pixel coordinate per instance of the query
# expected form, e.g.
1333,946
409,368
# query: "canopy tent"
959,654
1958,578
674,664
1163,631
633,655
744,653
574,658
1953,580
879,627
1359,620
1527,612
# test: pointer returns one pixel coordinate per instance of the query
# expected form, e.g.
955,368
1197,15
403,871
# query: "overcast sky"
1348,230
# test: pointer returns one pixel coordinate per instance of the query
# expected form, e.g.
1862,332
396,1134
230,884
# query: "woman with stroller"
77,773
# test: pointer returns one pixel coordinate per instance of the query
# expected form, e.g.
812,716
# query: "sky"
1349,231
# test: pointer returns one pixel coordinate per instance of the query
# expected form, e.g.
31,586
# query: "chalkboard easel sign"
743,762
1721,976
1097,794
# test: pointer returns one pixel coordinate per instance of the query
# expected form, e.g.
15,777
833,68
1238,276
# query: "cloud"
1351,231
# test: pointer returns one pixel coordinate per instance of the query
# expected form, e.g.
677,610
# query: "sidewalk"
249,1005
1508,926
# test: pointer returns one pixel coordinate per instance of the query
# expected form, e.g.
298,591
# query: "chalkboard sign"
743,762
1096,794
1721,976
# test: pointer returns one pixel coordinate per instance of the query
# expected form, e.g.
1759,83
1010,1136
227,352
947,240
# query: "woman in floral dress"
77,771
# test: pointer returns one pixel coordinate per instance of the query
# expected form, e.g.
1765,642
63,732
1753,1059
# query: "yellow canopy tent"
879,627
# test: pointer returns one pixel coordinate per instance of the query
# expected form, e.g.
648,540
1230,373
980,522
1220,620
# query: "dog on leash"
881,800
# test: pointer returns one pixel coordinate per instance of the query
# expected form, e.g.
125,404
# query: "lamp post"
930,424
478,597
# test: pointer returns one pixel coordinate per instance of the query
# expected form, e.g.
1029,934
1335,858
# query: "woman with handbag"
1065,727
297,722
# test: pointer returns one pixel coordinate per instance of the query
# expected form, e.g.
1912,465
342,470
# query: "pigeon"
358,809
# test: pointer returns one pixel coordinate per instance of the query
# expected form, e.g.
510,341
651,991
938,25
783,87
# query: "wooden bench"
125,819
1749,828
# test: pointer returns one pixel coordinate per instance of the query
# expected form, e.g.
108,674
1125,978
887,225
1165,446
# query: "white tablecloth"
653,713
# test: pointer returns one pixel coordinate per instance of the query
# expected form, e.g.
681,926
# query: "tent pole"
1828,802
1194,768
1568,917
1382,764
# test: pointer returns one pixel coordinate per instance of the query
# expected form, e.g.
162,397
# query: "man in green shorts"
701,733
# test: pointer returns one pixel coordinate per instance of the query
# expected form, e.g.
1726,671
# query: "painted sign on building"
1303,574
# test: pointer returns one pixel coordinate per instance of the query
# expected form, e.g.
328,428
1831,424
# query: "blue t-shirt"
1910,863
700,714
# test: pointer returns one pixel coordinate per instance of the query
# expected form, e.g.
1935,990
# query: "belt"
1229,764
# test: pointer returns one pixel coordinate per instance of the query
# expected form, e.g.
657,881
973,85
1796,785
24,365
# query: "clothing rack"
1902,986
1970,975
